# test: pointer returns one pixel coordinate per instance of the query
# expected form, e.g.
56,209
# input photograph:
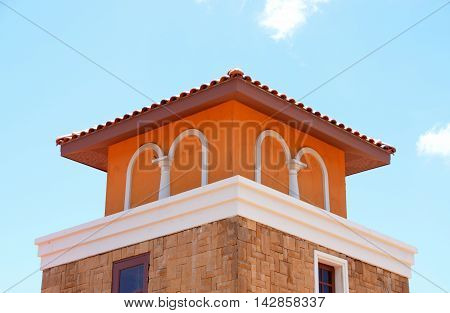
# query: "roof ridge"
234,73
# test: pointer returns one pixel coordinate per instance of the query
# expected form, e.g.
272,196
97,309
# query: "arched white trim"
147,146
315,154
204,143
259,141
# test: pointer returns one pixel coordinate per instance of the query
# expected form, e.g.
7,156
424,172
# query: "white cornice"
220,200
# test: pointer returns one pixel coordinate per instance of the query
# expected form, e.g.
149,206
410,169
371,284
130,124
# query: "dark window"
326,278
131,274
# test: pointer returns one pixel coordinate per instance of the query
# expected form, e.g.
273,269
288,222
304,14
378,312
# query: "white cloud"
283,17
435,142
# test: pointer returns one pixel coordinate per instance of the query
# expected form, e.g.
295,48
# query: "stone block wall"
231,255
272,261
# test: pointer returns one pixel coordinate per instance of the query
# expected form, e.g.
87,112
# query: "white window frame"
340,271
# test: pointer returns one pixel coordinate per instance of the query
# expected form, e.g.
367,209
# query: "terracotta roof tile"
233,73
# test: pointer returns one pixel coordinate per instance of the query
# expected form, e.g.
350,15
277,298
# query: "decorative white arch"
258,145
325,186
204,143
147,146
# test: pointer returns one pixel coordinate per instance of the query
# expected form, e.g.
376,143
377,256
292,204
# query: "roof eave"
91,149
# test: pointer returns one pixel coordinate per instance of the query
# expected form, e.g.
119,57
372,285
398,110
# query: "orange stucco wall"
231,129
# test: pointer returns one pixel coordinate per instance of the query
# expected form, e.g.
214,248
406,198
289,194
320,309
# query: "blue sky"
400,94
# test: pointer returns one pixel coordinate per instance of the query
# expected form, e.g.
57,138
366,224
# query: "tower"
229,187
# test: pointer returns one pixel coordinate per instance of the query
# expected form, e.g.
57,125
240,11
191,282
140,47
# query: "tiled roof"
234,73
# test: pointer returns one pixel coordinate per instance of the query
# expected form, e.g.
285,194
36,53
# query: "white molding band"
223,199
340,271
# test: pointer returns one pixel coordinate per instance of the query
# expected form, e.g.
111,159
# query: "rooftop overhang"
360,155
235,196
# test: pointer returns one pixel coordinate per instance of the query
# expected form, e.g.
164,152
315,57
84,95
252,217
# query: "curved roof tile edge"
233,73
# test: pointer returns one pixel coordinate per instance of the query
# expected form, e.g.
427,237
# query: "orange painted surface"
231,129
310,182
145,182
